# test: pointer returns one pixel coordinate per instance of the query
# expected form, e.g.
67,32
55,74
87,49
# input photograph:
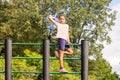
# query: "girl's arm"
52,20
68,39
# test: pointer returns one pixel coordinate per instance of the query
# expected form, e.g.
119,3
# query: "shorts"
62,44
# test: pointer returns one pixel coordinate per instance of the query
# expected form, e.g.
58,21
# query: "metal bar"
25,72
8,59
66,59
38,58
46,55
39,44
30,44
84,60
65,73
1,43
2,72
50,72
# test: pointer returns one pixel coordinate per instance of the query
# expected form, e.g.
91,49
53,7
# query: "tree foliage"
102,70
22,22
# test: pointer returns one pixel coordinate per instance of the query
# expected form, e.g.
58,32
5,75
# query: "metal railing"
46,51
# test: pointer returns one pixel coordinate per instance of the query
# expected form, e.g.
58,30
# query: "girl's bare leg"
61,58
69,51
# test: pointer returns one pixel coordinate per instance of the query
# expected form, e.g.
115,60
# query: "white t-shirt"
62,31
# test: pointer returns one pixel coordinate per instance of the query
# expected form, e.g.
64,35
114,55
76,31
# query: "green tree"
101,69
22,22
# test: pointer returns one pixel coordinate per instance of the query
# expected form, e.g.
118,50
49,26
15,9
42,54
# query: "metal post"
46,52
8,59
84,60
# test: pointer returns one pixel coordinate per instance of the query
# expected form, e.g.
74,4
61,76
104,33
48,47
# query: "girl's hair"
62,15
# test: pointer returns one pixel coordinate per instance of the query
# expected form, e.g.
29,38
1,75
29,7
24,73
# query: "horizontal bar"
1,43
2,71
42,58
39,44
31,44
27,58
24,72
34,44
65,72
66,58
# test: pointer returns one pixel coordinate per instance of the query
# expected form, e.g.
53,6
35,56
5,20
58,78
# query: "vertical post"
8,59
46,52
84,60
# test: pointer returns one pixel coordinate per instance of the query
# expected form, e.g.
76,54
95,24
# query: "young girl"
62,38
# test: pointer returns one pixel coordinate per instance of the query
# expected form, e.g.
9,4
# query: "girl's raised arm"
52,20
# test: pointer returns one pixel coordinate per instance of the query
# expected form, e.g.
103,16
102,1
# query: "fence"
46,57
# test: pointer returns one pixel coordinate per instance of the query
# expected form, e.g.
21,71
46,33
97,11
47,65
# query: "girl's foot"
63,70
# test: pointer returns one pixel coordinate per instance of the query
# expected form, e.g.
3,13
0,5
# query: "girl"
62,38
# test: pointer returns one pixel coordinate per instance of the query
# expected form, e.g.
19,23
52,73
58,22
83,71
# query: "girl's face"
62,19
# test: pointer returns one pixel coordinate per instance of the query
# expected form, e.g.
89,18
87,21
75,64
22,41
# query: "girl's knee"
70,51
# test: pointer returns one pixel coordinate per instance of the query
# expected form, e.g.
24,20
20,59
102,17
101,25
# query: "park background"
25,21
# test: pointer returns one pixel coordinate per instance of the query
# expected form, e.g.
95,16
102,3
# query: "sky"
112,52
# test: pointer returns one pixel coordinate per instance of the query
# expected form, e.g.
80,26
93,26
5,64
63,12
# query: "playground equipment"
46,57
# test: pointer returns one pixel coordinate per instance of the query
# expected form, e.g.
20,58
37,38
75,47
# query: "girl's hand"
50,17
69,42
